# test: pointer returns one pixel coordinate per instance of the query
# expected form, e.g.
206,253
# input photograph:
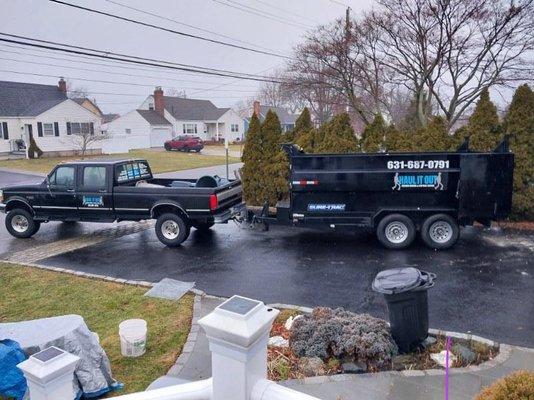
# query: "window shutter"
92,127
56,129
40,129
68,128
4,129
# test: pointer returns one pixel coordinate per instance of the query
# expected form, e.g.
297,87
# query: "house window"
234,128
78,128
48,129
128,131
190,129
150,106
2,134
205,128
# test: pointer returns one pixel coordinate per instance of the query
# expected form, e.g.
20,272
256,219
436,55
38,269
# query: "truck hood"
31,185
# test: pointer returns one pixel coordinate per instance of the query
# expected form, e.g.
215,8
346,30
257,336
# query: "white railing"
238,332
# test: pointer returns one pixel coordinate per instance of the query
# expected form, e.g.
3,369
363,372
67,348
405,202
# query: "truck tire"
202,226
171,229
20,223
396,231
440,231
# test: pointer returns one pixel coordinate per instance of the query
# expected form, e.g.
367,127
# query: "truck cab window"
62,176
94,177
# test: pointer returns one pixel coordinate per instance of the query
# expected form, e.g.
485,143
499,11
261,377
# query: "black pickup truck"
121,190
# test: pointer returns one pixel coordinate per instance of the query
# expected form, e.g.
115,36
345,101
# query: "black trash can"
405,290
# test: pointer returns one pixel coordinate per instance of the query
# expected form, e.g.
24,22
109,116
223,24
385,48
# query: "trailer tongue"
398,194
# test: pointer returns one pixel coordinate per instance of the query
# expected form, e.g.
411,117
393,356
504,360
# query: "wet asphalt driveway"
485,283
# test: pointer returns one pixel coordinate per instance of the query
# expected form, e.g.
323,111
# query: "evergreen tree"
519,122
410,122
374,136
308,140
337,136
397,140
484,128
434,138
33,150
252,159
303,124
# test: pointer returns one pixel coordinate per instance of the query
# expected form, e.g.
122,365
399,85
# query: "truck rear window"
132,172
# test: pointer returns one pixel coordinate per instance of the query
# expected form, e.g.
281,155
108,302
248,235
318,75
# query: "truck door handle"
102,191
70,190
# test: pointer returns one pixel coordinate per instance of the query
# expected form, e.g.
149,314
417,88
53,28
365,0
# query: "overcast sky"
49,21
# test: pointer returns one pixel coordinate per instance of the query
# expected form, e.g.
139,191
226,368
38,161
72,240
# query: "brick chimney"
256,108
62,85
159,101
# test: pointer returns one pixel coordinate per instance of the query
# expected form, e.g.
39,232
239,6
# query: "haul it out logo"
417,181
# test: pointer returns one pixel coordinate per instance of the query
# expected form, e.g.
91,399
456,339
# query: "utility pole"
347,26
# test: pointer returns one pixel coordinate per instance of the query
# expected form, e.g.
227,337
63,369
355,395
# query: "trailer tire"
440,231
20,224
172,229
396,231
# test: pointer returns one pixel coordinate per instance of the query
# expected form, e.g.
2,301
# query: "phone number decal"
418,164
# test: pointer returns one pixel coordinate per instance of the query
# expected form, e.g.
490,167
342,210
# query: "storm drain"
64,246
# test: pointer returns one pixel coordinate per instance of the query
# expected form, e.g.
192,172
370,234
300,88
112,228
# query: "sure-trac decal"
401,181
326,207
93,201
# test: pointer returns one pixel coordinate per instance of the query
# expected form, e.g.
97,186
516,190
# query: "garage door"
159,136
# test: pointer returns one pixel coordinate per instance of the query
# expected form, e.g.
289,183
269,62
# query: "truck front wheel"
172,229
396,231
440,231
20,224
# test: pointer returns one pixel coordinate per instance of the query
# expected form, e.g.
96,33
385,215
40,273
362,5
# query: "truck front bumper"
229,214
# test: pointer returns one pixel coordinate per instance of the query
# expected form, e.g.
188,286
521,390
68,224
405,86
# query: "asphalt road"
485,283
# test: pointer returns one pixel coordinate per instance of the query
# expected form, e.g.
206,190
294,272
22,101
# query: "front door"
58,200
94,199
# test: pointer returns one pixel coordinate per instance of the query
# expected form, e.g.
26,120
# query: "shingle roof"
106,118
284,117
153,118
192,109
19,99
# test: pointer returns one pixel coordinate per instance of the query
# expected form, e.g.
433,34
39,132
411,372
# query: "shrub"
337,136
433,138
33,150
517,386
343,334
374,136
303,124
483,126
519,122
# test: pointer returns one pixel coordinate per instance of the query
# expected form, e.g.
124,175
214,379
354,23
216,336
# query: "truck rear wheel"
171,229
440,231
20,224
396,231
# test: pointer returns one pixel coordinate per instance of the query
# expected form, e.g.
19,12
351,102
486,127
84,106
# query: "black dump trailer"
398,194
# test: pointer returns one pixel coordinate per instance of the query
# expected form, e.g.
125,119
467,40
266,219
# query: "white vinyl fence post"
238,332
49,374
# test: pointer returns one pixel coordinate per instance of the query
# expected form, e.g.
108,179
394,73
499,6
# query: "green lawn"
160,161
29,293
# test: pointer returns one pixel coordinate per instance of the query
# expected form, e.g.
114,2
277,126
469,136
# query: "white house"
159,118
45,113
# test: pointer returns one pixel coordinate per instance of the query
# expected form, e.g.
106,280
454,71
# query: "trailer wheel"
440,231
20,224
396,231
171,229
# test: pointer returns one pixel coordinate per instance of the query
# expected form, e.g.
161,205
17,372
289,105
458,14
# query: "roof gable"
153,118
19,99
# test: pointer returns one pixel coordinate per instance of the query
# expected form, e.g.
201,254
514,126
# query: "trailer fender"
417,215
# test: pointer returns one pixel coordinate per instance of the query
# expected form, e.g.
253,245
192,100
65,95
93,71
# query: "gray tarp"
70,333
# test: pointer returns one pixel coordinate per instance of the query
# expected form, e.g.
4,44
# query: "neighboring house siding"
120,141
232,118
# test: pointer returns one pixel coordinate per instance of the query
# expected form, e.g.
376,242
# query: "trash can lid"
397,280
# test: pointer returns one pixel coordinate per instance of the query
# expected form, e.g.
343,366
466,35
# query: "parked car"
123,190
185,143
398,195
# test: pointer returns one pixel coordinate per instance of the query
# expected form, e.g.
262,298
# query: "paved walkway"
464,383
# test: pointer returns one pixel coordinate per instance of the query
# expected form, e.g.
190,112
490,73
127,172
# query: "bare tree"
174,92
448,51
74,92
83,136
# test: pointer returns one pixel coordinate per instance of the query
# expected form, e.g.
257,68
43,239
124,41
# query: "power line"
283,10
185,24
113,82
260,13
137,60
340,3
167,29
96,70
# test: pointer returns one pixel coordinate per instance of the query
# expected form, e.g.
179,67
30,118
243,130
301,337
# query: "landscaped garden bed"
329,342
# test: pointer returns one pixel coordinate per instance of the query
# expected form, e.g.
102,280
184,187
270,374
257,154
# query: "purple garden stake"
447,366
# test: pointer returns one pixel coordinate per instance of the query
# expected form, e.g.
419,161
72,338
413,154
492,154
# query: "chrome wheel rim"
440,231
170,230
396,232
20,223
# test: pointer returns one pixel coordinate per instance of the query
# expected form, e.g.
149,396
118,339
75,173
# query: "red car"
184,143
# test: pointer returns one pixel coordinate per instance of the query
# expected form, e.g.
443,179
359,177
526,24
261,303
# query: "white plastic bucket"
133,337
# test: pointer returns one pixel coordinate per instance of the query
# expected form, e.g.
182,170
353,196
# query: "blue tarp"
12,381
